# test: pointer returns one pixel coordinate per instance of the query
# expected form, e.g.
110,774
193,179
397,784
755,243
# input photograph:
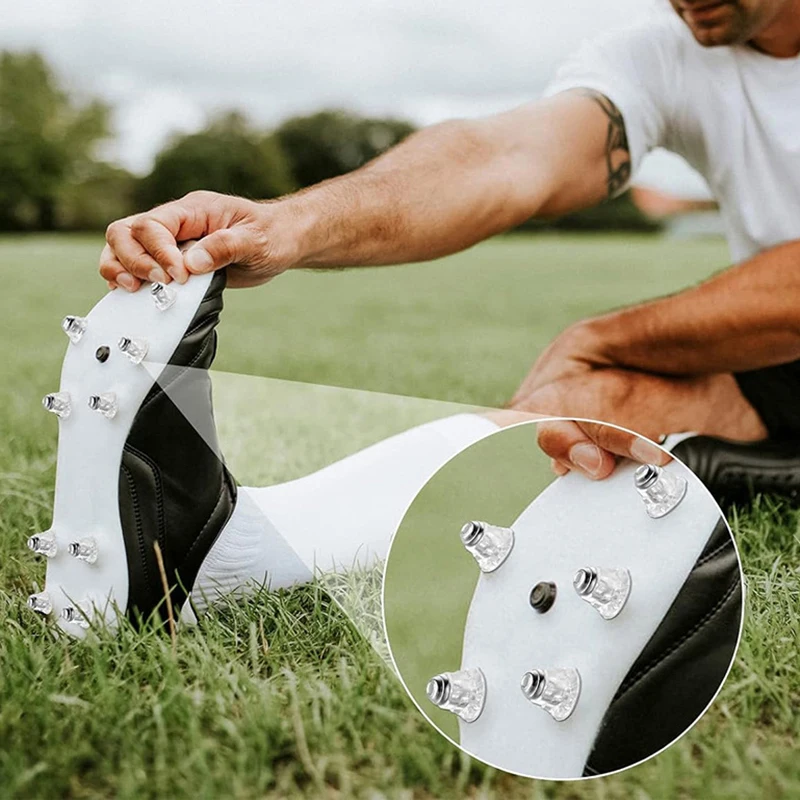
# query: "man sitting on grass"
718,83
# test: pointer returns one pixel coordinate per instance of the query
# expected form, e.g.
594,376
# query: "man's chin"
723,28
716,36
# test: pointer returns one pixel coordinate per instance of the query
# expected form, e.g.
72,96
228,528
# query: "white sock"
342,516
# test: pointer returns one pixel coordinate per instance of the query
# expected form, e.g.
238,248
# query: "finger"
625,443
558,468
114,273
217,250
566,442
130,253
189,218
156,238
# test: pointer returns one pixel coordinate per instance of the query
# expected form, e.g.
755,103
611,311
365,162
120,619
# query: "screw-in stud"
163,296
75,615
40,603
58,403
74,327
135,349
555,690
603,588
463,693
488,544
43,544
105,403
660,490
542,596
85,550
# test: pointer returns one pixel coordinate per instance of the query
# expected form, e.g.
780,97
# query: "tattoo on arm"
618,158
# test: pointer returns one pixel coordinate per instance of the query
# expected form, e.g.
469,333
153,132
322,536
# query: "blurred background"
107,108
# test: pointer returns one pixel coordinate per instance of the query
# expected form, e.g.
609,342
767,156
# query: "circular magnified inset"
561,627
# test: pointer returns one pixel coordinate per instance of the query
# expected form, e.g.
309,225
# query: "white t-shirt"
733,113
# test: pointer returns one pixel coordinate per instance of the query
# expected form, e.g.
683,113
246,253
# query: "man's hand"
576,378
574,352
235,232
592,447
638,402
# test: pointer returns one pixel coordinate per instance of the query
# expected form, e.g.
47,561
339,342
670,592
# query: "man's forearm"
442,190
744,318
452,185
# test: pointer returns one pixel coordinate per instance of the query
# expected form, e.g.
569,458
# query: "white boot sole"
90,447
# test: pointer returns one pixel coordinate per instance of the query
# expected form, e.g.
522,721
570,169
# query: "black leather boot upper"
174,488
735,471
681,667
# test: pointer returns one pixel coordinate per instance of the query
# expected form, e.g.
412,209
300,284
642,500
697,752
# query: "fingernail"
126,281
587,457
157,275
648,453
198,260
178,275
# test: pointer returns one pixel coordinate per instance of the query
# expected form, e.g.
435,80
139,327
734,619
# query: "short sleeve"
636,69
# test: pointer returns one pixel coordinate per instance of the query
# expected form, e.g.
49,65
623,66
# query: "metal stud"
488,544
163,296
660,490
603,588
555,690
542,596
84,550
105,403
463,693
75,615
74,327
43,544
40,603
135,349
58,403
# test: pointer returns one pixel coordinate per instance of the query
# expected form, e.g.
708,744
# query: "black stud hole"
542,596
102,353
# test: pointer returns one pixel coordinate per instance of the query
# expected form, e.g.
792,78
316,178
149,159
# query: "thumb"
625,443
567,443
217,250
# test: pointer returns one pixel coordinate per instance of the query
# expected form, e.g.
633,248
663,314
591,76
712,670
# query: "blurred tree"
227,156
330,143
103,194
46,140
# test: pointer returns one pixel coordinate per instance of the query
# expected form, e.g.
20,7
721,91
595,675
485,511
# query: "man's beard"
714,23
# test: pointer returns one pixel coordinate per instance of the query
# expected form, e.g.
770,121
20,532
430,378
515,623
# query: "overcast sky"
165,65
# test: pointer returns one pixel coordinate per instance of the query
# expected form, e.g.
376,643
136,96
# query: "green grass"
280,696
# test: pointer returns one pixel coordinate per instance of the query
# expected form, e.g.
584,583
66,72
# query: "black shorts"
774,392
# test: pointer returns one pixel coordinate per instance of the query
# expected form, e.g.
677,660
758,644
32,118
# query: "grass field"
280,696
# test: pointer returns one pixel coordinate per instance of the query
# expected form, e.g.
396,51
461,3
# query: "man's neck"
781,37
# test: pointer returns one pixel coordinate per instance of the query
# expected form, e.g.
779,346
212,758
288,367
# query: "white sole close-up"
575,524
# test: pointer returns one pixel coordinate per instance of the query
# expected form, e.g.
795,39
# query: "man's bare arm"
744,318
440,191
455,184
